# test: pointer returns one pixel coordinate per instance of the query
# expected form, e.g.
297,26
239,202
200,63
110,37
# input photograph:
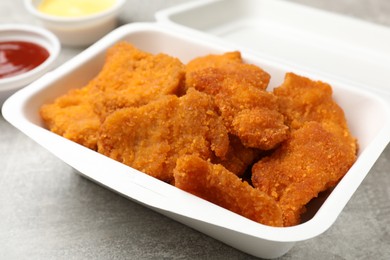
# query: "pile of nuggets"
211,128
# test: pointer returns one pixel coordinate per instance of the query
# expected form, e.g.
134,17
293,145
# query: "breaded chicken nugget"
302,99
248,74
72,116
214,183
131,77
213,60
150,138
318,153
248,112
312,160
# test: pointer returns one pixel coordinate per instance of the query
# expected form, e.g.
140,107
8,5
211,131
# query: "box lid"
329,44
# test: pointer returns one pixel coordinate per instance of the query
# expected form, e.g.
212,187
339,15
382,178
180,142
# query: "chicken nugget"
72,116
249,112
131,77
151,137
214,183
312,160
318,153
302,100
213,60
247,74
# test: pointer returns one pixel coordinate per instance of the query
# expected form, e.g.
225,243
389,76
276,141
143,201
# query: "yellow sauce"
74,8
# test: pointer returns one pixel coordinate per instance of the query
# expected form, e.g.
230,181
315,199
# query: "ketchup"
17,57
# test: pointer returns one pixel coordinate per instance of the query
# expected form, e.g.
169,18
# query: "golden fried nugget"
72,116
214,183
318,153
213,60
248,112
248,74
312,160
131,77
150,138
302,99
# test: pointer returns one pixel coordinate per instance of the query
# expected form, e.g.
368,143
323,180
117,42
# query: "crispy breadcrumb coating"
248,112
72,116
150,138
247,74
318,153
302,99
309,162
129,77
214,183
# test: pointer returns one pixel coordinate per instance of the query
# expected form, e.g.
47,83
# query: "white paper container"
335,46
373,133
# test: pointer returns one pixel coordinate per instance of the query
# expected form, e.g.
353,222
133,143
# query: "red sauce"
17,57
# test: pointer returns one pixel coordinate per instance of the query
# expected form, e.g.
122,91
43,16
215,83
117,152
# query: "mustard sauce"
74,8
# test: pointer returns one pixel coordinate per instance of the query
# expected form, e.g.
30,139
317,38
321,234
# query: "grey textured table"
47,211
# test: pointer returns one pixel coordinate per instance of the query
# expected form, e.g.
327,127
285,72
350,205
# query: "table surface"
48,211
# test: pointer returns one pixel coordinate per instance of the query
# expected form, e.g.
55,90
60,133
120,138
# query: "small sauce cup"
25,38
80,30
